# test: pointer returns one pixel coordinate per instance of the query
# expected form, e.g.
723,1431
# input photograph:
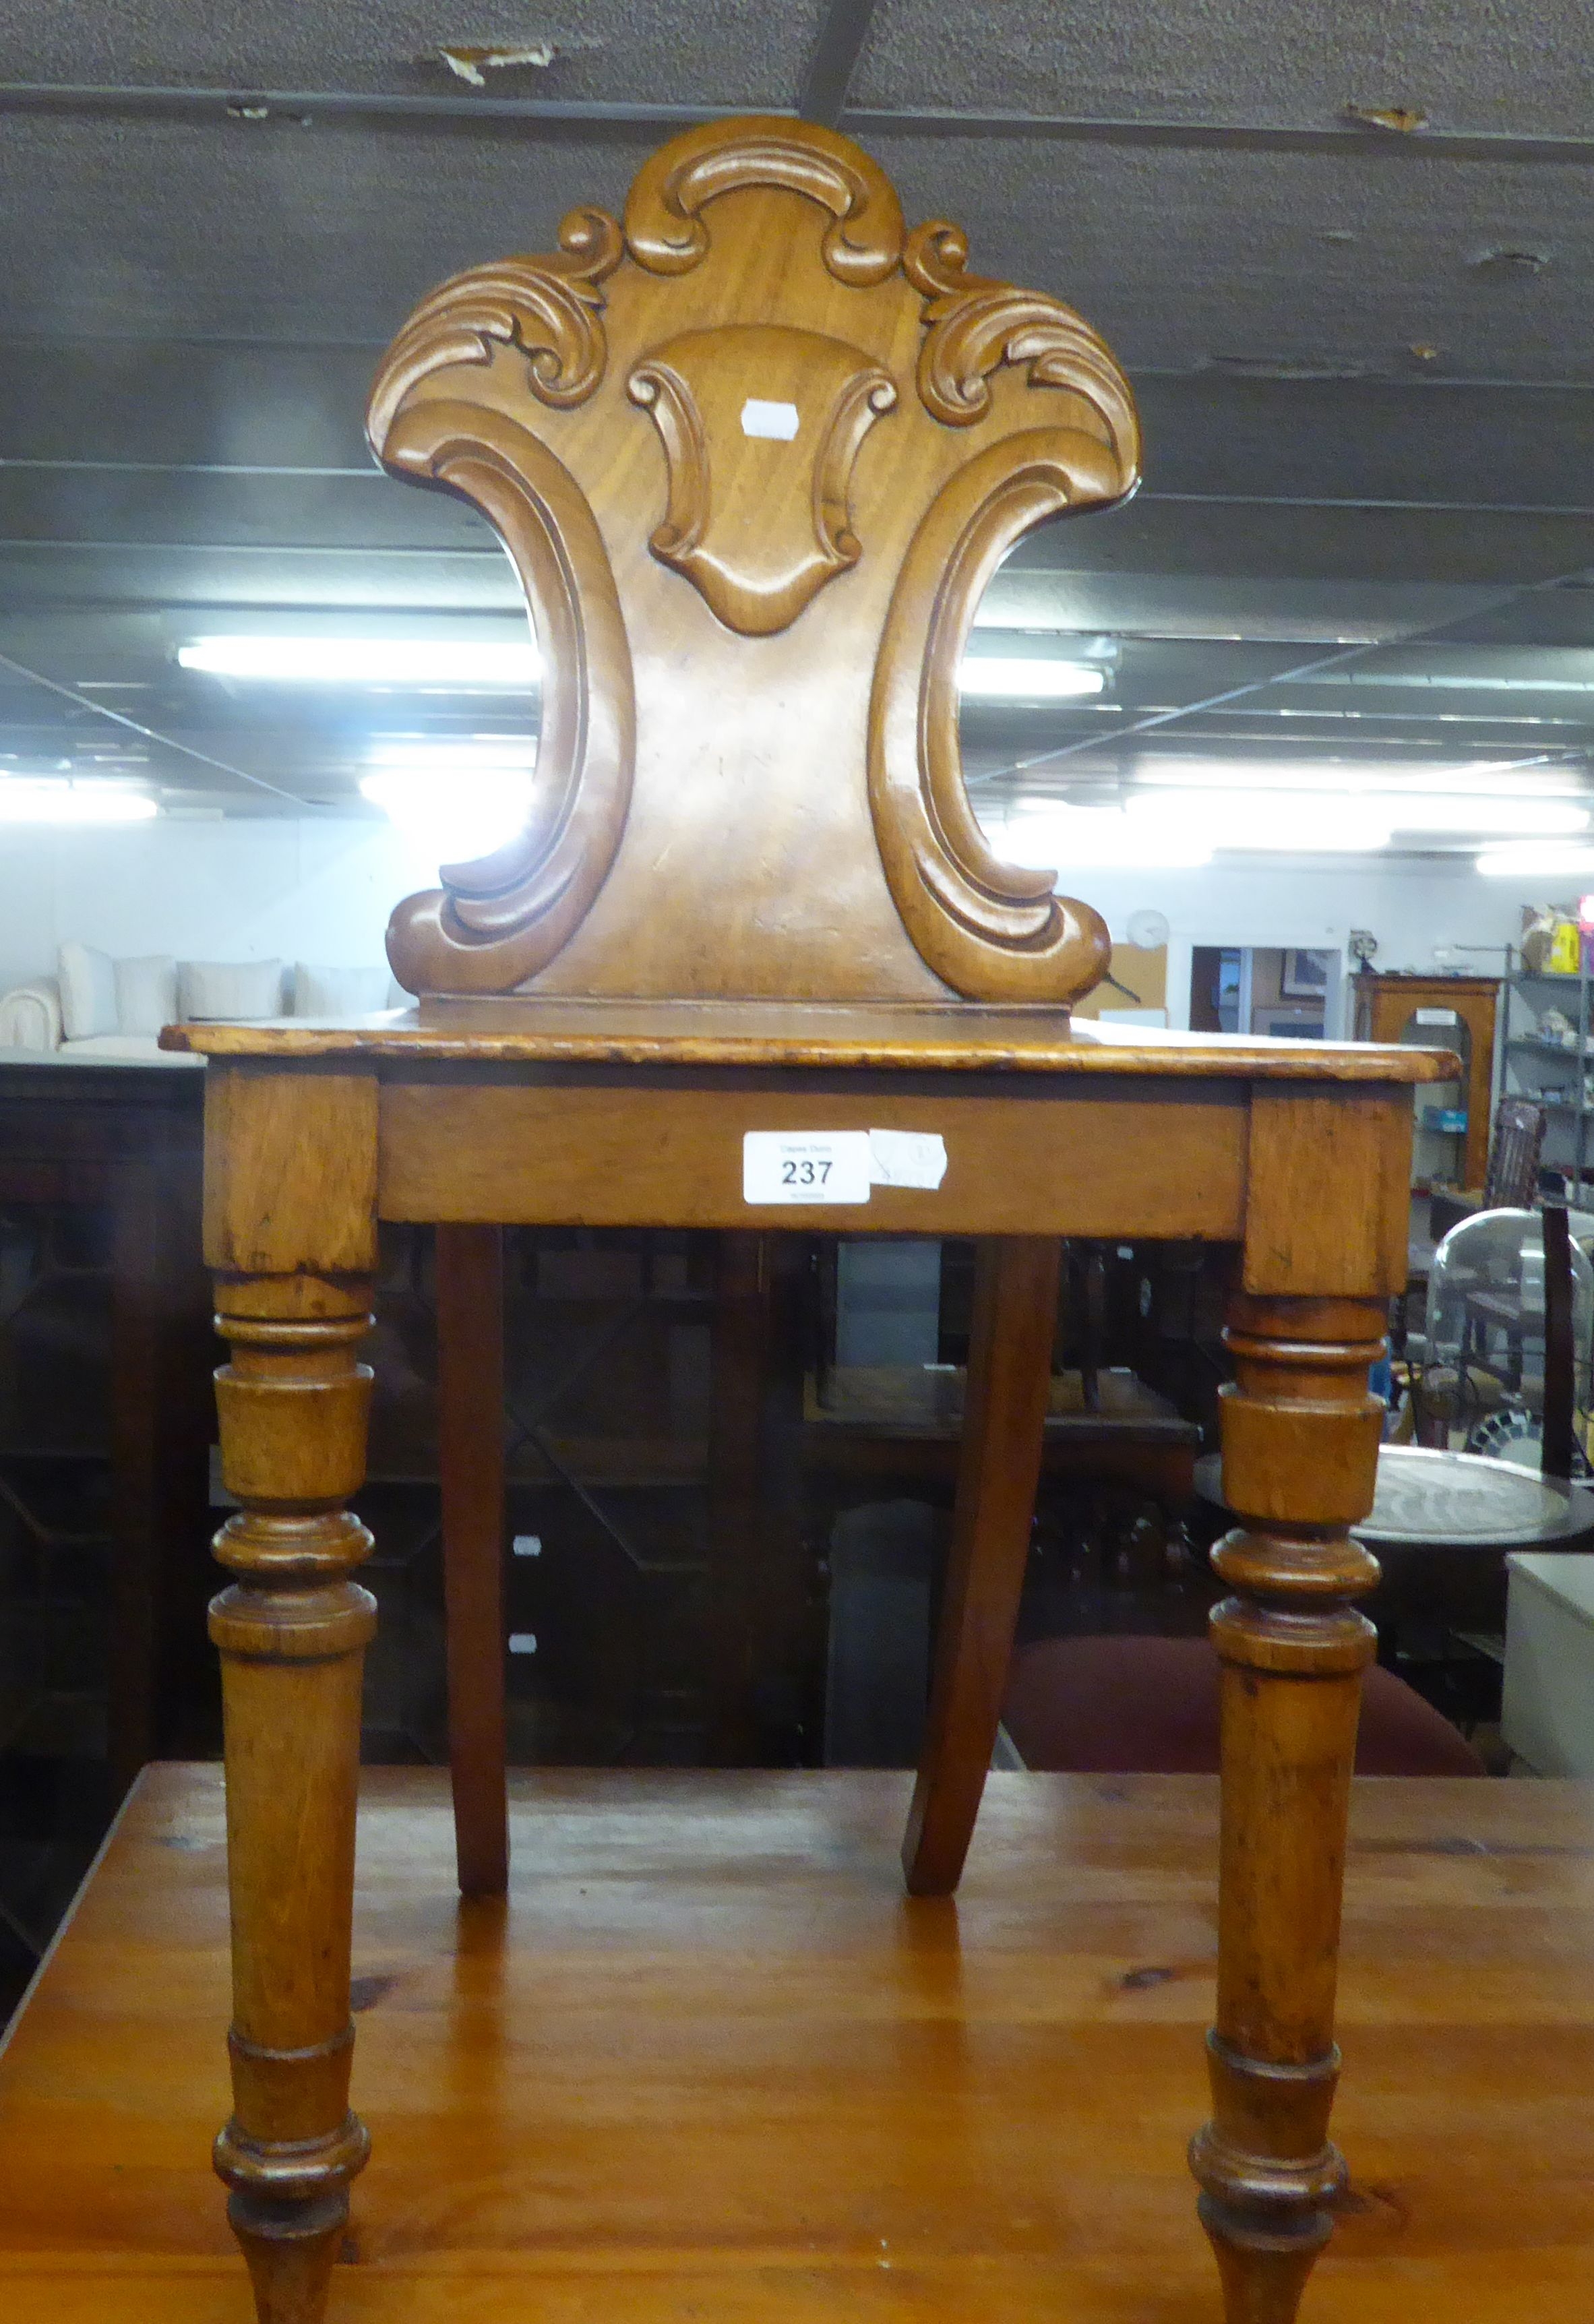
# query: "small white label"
906,1157
522,1642
527,1545
778,421
807,1167
1434,1017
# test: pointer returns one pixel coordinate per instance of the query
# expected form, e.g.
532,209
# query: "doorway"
1272,990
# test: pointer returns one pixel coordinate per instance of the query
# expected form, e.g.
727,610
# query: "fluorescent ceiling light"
454,801
992,678
1395,779
1334,808
465,663
1536,863
1097,838
1509,819
53,798
1270,821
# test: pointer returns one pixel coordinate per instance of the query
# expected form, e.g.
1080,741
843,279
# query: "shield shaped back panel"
755,448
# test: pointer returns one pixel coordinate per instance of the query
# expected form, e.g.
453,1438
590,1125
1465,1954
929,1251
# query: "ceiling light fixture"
1272,822
465,664
1529,862
1484,819
1359,820
1099,838
1490,778
53,798
1322,804
994,677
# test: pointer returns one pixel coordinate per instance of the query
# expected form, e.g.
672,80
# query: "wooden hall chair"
756,448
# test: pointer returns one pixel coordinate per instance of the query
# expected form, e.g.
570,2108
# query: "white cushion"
338,991
87,991
146,993
229,992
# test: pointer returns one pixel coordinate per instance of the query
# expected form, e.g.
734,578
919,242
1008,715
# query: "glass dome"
1485,1325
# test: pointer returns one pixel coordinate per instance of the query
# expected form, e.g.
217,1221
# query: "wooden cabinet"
106,1351
1440,1012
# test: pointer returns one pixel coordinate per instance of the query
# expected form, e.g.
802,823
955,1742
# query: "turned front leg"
292,1629
1300,1435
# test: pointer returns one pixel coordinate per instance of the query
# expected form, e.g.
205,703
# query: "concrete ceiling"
1363,353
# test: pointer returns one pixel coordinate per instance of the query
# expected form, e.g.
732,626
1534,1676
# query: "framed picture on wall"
1305,975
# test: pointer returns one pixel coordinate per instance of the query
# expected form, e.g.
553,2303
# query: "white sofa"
96,1010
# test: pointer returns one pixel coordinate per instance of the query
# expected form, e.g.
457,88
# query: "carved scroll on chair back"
756,449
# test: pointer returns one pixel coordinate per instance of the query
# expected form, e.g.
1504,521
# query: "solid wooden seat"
756,448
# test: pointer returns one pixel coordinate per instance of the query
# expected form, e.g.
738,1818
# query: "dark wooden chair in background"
756,450
1515,1145
1516,1142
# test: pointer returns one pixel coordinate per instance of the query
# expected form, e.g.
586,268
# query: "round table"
1456,1500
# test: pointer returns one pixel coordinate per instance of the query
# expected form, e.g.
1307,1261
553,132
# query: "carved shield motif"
760,425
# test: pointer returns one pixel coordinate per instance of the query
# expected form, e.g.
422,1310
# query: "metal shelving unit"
1557,1078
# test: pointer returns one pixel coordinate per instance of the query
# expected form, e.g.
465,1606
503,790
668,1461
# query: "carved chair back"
755,449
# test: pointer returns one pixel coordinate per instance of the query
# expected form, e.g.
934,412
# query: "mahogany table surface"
710,2063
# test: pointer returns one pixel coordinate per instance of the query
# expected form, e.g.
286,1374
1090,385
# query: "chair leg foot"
290,2248
1263,2263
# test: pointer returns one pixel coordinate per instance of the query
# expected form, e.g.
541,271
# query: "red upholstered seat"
1149,1706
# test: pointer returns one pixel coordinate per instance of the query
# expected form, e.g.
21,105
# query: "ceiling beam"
823,94
119,718
601,120
612,120
1350,140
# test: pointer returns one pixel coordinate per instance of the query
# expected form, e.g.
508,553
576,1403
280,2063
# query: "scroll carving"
665,232
976,324
758,526
496,921
992,931
548,307
661,389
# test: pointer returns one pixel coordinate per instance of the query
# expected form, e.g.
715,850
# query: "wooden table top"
963,1036
711,2063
